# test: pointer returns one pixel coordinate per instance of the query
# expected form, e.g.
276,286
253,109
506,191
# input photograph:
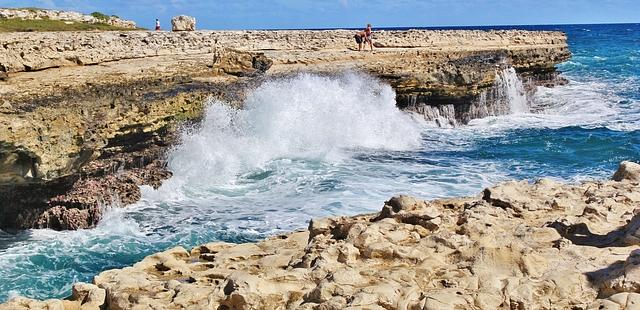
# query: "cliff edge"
77,107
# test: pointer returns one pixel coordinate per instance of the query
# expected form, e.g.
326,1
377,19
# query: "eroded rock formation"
183,23
90,114
517,245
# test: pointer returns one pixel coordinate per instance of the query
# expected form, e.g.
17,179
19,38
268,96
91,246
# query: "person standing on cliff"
368,36
157,24
359,39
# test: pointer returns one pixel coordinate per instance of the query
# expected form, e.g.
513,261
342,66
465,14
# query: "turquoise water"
305,147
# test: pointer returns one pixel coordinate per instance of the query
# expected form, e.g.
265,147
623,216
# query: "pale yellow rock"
89,295
445,300
484,254
487,301
633,301
604,305
620,299
183,23
534,265
21,303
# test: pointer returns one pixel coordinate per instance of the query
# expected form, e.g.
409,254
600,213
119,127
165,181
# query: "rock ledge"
77,107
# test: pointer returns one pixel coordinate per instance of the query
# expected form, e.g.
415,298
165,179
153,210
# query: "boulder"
628,171
183,23
89,295
239,63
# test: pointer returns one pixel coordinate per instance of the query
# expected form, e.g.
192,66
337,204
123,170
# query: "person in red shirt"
368,36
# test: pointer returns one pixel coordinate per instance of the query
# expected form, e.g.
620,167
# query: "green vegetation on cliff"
100,15
19,25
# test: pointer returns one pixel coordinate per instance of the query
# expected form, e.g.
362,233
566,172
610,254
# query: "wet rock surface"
77,201
81,150
517,245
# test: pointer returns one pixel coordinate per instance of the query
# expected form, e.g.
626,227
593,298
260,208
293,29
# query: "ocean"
306,147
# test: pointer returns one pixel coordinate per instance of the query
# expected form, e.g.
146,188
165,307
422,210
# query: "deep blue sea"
306,147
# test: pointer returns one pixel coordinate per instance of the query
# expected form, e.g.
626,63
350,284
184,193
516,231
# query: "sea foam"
303,117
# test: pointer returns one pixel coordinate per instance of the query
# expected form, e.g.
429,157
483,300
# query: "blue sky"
266,14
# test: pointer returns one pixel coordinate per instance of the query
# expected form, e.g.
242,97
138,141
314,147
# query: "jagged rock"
320,226
63,218
238,63
628,171
261,63
632,231
480,256
88,295
183,23
401,207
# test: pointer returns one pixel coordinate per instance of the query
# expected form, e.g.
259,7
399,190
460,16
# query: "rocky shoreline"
86,117
517,245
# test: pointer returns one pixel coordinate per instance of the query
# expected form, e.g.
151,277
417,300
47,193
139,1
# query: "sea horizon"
404,28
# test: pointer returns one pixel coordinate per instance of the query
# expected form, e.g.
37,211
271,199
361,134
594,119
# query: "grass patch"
100,16
32,9
19,25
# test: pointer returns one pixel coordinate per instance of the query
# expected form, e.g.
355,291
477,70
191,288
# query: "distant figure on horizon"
368,36
157,24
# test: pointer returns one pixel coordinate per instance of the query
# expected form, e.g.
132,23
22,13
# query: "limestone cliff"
75,108
67,16
517,245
